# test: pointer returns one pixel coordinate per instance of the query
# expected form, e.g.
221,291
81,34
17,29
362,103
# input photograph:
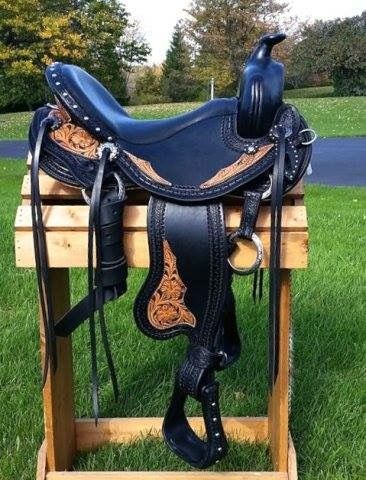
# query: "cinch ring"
315,136
121,189
259,246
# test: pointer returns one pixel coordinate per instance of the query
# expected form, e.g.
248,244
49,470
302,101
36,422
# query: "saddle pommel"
261,88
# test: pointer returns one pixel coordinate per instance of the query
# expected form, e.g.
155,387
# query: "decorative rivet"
213,404
217,434
219,449
57,83
54,75
86,118
217,461
110,139
97,129
75,106
214,419
65,94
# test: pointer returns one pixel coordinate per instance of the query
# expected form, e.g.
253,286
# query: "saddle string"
275,255
41,258
95,281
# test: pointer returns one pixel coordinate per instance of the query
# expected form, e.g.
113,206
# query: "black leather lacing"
95,278
275,253
97,294
40,252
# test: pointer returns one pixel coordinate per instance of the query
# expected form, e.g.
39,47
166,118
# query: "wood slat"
69,249
124,430
53,189
166,476
75,218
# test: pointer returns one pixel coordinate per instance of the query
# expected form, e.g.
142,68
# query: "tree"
222,33
148,86
177,82
31,36
92,33
336,48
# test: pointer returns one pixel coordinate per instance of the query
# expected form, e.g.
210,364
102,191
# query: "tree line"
211,42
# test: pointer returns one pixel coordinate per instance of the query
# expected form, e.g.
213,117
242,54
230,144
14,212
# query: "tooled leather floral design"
76,140
166,307
243,163
146,168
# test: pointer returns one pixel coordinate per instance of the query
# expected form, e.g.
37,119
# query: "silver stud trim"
57,83
97,129
213,404
214,419
217,434
86,118
74,106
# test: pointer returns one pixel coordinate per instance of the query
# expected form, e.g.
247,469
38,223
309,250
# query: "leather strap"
275,253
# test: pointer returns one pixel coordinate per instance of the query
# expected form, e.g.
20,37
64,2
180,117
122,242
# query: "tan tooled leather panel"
243,163
147,169
166,308
76,140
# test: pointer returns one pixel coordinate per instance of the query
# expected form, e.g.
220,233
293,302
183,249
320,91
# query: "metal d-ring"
259,246
312,140
121,189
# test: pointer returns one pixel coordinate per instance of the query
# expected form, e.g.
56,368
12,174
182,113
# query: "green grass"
327,421
330,117
310,92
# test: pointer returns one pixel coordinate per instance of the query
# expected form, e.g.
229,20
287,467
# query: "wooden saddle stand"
66,221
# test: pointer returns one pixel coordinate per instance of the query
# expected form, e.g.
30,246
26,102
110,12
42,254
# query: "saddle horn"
261,88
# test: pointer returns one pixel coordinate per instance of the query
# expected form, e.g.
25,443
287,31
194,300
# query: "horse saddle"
252,146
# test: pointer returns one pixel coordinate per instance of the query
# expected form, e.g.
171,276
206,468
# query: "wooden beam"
124,430
167,476
69,249
53,189
292,461
75,218
58,399
278,421
42,462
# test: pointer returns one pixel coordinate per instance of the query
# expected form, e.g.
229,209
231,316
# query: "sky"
158,17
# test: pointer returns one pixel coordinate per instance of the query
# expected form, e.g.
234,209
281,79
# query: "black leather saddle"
252,146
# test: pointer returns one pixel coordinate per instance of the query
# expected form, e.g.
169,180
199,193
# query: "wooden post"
58,397
278,421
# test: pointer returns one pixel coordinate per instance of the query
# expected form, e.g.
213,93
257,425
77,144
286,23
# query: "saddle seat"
74,86
190,157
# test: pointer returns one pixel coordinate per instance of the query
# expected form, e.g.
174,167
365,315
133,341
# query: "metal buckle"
259,246
312,140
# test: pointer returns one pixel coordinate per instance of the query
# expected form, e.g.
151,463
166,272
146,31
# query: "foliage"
92,33
336,48
148,86
222,33
178,83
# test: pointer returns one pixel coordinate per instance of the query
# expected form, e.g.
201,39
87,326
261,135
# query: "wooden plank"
42,462
292,461
69,249
51,188
124,430
167,476
75,218
278,420
58,399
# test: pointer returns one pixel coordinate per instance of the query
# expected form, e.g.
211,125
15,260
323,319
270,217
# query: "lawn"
327,421
330,117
